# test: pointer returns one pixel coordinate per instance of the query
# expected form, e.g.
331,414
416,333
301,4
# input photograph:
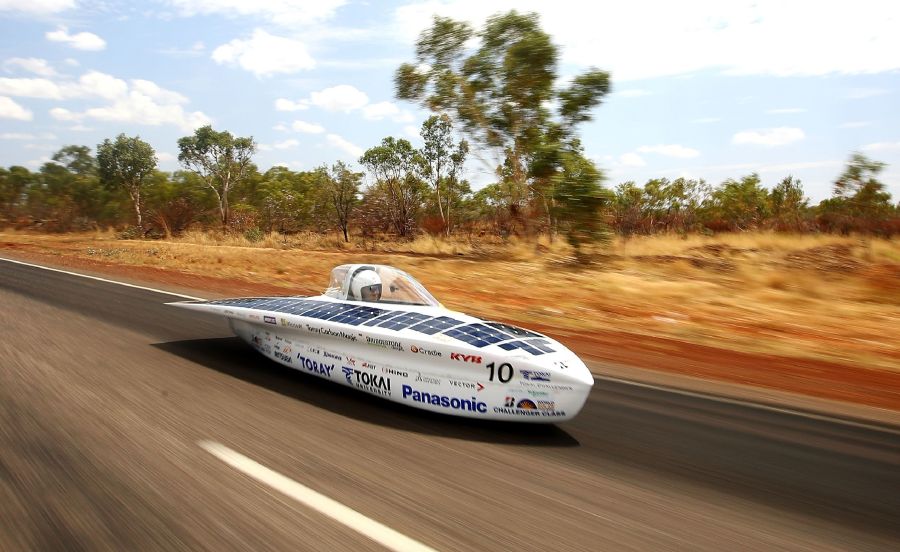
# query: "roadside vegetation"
551,242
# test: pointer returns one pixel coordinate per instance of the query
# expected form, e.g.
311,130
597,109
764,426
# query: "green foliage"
501,95
126,162
220,159
395,165
739,204
340,189
580,200
442,162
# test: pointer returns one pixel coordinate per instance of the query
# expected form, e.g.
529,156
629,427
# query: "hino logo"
474,359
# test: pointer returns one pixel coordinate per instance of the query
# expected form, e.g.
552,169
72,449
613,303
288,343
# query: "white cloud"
37,7
280,12
786,111
670,150
79,41
164,156
140,102
16,136
32,65
285,144
265,54
855,124
865,93
71,62
381,110
780,136
882,146
746,38
31,88
80,128
346,146
282,104
631,159
308,128
342,97
294,165
11,110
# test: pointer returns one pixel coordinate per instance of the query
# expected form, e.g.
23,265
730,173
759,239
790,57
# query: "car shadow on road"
231,356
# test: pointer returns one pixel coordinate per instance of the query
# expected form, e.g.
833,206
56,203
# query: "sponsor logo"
427,379
254,317
528,407
290,324
474,359
373,383
368,365
384,343
421,351
269,319
228,312
533,375
561,364
326,354
538,393
544,385
283,357
351,361
315,367
331,333
395,372
472,385
443,401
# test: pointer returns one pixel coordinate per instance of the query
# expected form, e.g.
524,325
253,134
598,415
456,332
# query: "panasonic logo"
443,401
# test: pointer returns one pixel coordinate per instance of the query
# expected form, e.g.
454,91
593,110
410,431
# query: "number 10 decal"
504,372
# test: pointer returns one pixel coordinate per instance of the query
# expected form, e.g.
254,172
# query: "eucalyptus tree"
220,159
505,97
442,164
127,162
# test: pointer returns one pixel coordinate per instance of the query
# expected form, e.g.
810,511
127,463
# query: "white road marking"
378,532
674,390
103,279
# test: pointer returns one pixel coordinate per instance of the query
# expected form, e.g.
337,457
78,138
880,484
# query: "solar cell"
513,330
404,321
328,310
386,316
477,335
357,316
435,325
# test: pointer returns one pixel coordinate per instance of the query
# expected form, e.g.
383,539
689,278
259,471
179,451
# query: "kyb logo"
421,351
474,359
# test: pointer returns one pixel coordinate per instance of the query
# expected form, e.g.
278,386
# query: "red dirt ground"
814,378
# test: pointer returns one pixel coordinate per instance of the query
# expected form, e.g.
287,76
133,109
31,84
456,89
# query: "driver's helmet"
366,285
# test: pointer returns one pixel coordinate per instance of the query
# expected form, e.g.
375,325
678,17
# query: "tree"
341,187
502,96
394,164
739,204
788,204
220,159
579,198
442,162
77,159
859,186
127,162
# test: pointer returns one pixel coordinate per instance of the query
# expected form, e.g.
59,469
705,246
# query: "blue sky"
706,89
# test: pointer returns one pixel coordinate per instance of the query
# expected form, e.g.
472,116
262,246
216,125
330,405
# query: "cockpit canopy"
397,287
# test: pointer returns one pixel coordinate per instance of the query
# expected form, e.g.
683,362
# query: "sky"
701,88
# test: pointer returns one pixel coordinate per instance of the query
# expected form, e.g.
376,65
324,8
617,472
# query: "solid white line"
103,279
675,390
381,534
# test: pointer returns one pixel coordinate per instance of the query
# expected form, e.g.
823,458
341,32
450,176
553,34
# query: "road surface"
112,406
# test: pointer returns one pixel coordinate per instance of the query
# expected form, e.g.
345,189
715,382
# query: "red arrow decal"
480,387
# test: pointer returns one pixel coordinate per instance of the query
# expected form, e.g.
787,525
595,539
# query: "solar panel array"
478,335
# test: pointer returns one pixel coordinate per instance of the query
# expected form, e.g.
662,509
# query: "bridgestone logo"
386,343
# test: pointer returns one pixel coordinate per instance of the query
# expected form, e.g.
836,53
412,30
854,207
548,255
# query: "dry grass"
824,297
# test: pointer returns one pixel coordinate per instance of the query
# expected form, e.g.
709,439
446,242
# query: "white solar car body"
407,348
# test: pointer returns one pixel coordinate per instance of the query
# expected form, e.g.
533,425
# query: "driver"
366,285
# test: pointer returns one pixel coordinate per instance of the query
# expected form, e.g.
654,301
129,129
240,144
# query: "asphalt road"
105,395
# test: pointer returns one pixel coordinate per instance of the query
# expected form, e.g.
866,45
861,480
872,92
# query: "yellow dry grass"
827,297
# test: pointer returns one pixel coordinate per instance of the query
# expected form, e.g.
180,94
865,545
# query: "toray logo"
474,359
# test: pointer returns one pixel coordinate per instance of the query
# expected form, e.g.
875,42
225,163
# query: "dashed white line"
102,279
349,517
